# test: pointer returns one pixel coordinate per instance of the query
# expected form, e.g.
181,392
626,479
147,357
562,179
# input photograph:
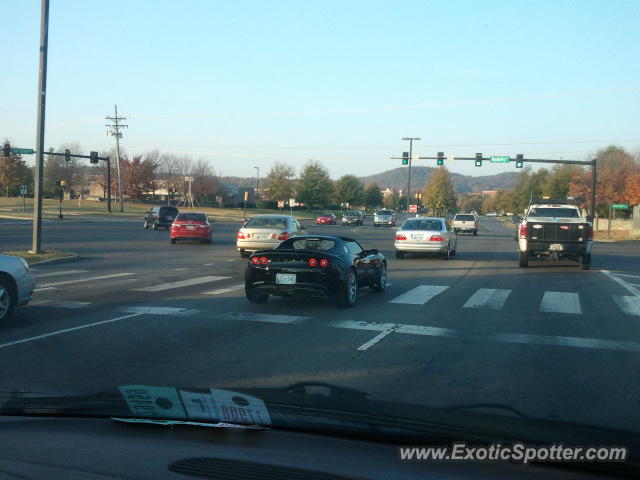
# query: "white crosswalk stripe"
629,304
180,283
560,302
488,298
221,291
419,295
60,304
60,273
83,280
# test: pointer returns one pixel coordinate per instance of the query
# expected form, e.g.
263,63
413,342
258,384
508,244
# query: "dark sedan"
318,265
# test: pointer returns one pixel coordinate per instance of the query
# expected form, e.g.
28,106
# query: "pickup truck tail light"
590,233
436,238
401,237
523,231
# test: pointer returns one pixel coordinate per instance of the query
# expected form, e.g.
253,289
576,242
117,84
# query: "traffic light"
405,158
478,159
93,157
6,150
440,158
67,155
519,160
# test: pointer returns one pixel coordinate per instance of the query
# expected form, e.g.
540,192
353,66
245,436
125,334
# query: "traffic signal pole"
411,139
36,245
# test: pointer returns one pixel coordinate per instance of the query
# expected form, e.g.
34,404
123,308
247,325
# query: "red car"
326,219
191,226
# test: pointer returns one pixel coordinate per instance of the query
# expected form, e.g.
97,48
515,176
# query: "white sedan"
16,284
426,235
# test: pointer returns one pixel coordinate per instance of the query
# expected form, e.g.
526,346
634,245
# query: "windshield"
554,212
192,217
422,225
267,222
260,118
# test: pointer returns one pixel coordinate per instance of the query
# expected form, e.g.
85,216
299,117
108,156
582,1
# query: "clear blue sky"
244,84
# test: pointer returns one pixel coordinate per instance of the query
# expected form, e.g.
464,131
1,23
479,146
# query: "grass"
39,257
13,208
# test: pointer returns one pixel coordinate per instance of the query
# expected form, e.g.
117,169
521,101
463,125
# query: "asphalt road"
550,340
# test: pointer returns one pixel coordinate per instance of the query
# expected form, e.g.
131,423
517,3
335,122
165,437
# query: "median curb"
71,258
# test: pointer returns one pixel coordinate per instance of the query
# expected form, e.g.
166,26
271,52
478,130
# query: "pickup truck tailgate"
557,232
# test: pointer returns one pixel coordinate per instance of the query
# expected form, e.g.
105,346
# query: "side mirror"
366,253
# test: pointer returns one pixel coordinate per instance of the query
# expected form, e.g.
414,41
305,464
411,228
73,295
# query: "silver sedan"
16,284
426,235
263,232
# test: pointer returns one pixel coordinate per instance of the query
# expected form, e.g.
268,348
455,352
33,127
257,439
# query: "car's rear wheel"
523,259
7,298
146,225
173,241
446,255
585,262
399,254
349,293
207,241
154,226
475,233
381,280
244,254
254,295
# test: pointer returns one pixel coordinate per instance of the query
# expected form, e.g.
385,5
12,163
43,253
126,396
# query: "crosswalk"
489,299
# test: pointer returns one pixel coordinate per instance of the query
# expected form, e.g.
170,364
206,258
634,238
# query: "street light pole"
36,245
411,139
257,185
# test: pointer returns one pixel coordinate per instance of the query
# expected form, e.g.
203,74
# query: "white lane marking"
220,291
208,264
67,330
622,283
555,341
60,304
61,272
181,283
624,275
79,280
38,290
259,317
180,269
560,302
488,298
157,310
629,304
374,340
419,295
229,260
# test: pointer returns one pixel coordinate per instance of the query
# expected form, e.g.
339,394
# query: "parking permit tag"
200,406
235,407
147,401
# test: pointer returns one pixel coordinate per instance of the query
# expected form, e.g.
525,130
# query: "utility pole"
36,245
257,186
411,139
114,131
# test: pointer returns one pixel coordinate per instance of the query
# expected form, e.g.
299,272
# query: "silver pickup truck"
465,222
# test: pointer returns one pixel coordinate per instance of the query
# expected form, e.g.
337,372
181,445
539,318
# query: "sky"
246,84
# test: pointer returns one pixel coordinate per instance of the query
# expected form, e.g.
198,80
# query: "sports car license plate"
286,278
556,246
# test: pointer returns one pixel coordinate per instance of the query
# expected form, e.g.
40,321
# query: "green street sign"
620,206
499,159
22,151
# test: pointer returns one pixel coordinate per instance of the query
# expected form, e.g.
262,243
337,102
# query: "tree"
557,183
632,189
315,186
205,183
138,176
13,172
471,203
439,193
280,182
373,197
348,189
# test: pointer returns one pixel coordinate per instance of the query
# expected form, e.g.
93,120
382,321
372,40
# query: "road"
550,340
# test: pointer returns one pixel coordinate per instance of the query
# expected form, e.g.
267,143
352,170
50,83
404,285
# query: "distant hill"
397,178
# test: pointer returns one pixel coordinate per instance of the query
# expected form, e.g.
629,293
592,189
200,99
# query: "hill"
397,178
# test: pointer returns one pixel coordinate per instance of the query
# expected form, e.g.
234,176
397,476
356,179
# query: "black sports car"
316,265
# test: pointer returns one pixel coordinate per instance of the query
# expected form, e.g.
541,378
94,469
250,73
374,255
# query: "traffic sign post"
413,208
22,151
499,159
280,204
292,202
23,192
620,206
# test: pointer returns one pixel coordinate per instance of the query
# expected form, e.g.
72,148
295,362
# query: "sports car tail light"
590,233
263,260
436,238
401,237
283,236
240,235
255,260
324,263
312,262
523,231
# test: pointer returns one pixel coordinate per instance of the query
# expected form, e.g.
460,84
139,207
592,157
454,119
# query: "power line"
114,131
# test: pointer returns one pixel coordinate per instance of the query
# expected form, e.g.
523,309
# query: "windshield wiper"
492,406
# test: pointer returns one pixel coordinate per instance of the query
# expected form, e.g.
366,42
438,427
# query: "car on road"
191,226
465,222
161,216
266,231
326,218
426,235
492,214
316,265
352,217
16,284
384,217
